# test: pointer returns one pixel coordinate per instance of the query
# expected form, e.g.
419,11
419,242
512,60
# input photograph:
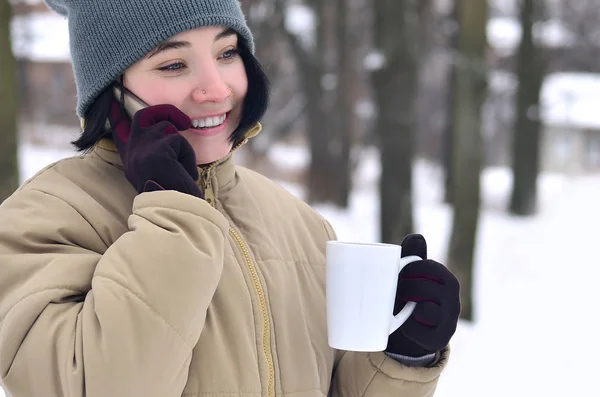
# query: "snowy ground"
534,335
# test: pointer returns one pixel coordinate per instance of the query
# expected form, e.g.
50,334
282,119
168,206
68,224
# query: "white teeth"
209,121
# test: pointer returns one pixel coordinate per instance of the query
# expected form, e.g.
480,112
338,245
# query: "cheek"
152,89
238,81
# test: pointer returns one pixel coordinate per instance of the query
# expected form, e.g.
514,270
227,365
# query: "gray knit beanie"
108,36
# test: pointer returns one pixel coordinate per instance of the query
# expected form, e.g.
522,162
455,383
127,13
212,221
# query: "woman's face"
201,73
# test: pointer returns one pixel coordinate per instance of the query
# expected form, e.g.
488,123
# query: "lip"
213,130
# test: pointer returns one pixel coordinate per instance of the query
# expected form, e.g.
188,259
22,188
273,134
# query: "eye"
174,67
229,55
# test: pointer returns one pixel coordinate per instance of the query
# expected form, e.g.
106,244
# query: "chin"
208,149
206,155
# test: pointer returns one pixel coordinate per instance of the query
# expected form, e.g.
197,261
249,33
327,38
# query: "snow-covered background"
535,330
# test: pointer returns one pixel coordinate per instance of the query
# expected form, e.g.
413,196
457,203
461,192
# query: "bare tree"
448,137
578,22
266,23
526,133
345,99
319,75
8,108
470,92
395,85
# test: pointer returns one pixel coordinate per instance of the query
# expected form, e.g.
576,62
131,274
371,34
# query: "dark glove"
155,156
436,291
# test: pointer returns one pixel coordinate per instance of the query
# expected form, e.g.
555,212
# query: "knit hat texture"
108,36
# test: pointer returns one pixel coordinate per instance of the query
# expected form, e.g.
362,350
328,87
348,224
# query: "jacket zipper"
209,194
205,184
263,305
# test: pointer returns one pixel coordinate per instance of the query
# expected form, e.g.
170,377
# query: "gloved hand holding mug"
436,291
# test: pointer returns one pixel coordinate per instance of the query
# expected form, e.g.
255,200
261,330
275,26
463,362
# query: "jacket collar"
222,170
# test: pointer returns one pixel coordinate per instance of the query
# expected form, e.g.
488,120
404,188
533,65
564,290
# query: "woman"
153,266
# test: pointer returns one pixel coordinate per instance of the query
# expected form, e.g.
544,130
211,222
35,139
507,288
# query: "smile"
209,122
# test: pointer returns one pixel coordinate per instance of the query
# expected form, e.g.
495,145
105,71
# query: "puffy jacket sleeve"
359,374
376,374
80,316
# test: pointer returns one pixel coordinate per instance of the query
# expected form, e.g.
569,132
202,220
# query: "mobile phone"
132,103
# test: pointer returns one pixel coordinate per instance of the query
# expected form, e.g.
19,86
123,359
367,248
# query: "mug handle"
407,310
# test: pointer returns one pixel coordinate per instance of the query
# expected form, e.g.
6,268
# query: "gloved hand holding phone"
155,156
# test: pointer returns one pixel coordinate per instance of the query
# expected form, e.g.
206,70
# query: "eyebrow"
168,45
173,45
225,33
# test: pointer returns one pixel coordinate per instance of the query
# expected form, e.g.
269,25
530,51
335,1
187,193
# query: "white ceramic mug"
362,279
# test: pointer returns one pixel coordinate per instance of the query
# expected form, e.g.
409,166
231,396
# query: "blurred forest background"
464,85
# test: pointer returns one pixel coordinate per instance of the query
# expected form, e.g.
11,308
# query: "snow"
329,81
504,7
568,99
374,61
504,34
571,99
535,277
502,81
32,158
259,12
365,109
301,21
41,37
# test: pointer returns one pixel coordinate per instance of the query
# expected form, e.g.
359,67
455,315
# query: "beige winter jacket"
104,292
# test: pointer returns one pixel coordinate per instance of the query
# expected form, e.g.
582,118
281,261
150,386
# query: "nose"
210,86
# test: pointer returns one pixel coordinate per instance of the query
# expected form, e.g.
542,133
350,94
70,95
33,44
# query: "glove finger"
185,154
437,305
121,127
427,270
449,320
428,314
163,128
414,244
155,114
423,335
156,136
432,338
419,290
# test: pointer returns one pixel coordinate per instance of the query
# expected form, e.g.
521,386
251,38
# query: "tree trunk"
467,154
266,29
394,86
526,132
325,177
320,185
448,131
326,143
9,175
344,104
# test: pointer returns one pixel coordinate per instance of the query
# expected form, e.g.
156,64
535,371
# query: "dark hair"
254,106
